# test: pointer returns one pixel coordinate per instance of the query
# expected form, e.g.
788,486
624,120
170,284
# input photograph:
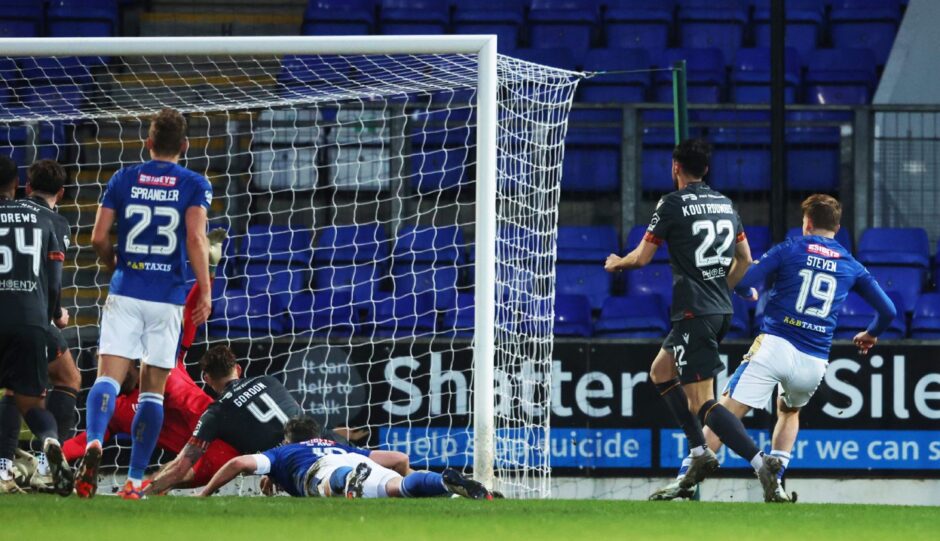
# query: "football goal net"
391,206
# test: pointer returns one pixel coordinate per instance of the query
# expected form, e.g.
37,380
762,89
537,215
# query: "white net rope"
347,185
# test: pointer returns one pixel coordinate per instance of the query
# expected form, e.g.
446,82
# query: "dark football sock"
61,404
678,403
729,429
42,424
9,427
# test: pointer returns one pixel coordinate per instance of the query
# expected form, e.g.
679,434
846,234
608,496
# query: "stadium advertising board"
872,416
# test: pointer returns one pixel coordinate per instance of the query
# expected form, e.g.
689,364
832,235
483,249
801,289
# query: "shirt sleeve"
739,235
202,194
868,288
54,259
109,199
206,429
761,269
264,461
660,223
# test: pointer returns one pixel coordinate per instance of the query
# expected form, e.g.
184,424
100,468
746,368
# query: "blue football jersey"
813,277
289,463
150,202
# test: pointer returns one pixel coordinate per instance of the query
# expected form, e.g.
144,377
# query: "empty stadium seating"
339,17
588,244
567,24
638,23
404,17
925,325
504,18
572,316
639,316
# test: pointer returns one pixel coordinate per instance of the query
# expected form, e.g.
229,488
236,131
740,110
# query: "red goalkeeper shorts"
216,455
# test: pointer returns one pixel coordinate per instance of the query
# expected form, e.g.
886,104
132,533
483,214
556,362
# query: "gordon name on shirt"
154,194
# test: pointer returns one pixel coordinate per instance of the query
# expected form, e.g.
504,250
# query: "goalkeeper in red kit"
184,401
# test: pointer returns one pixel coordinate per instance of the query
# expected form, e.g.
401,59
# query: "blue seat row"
58,18
578,24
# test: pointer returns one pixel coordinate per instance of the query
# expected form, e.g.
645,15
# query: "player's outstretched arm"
176,470
393,460
639,257
739,264
868,288
197,247
232,469
101,236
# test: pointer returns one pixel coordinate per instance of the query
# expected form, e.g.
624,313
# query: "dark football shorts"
24,360
694,343
56,343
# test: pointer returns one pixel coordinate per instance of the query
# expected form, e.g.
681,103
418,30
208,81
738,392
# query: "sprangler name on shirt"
154,194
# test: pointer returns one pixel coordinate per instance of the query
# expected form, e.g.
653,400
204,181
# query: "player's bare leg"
112,369
784,437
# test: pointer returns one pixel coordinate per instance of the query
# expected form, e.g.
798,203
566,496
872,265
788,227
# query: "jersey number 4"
274,412
718,238
167,231
34,249
822,287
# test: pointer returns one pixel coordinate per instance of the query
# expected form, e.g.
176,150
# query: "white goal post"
519,115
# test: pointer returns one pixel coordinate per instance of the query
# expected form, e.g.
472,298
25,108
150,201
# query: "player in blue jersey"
309,466
160,209
812,276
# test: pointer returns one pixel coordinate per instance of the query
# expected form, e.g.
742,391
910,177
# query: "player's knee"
64,373
783,410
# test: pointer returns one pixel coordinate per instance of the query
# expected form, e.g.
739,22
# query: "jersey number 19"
822,287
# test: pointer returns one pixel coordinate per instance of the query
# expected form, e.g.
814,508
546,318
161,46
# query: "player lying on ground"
708,253
44,189
29,296
308,466
813,276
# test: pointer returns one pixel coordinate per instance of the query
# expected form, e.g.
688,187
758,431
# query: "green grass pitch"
266,519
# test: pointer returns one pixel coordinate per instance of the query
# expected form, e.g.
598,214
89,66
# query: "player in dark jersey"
30,283
249,415
310,466
812,277
709,254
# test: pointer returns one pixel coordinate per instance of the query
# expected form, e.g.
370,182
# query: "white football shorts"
774,362
138,329
374,486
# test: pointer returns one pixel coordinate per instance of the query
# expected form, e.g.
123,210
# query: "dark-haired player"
30,284
249,415
160,209
45,181
309,466
709,254
812,276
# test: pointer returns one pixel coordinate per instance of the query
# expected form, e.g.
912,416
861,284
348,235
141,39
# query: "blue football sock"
785,458
100,407
686,462
145,430
423,484
338,480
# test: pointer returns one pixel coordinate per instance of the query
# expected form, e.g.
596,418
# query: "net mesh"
347,185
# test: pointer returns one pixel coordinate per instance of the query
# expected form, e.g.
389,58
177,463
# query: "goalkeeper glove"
216,238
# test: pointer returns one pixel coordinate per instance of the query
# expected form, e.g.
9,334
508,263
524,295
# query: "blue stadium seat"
339,18
572,315
328,314
906,281
898,327
404,316
616,87
20,18
590,280
894,246
460,320
750,76
419,17
582,243
854,316
432,245
844,236
804,25
653,279
813,152
592,154
925,324
758,238
87,18
276,280
839,76
638,23
240,313
361,280
362,243
566,24
869,24
705,74
440,282
633,317
47,70
439,142
556,57
634,237
56,98
741,157
278,244
741,319
712,23
504,18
